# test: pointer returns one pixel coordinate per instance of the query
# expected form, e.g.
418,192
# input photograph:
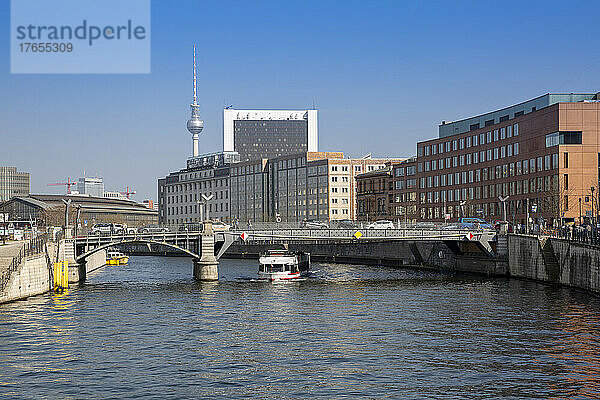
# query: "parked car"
475,223
152,228
312,224
346,224
381,224
190,227
102,229
455,227
219,226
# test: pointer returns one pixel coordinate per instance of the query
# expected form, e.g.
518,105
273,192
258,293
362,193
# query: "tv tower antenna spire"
195,124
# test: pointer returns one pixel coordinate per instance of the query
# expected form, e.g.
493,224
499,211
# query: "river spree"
148,330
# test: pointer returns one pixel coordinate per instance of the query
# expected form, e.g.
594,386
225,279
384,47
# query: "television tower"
195,124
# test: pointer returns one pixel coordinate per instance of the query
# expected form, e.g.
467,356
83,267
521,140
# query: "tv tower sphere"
195,124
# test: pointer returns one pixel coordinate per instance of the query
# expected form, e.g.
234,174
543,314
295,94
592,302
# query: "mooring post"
206,268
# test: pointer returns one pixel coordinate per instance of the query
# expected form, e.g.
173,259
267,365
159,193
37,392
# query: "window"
502,133
454,145
489,137
525,167
547,162
509,151
426,150
566,160
495,153
475,140
509,131
433,149
433,165
516,149
420,152
469,142
516,129
482,138
566,182
568,137
495,135
441,148
539,164
502,151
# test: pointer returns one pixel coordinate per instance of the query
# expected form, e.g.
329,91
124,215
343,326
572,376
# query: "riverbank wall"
549,260
32,277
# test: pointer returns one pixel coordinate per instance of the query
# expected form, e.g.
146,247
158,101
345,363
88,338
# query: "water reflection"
149,330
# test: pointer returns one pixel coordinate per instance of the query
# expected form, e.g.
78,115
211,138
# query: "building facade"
542,155
258,134
91,186
49,209
13,183
180,193
403,200
297,187
374,194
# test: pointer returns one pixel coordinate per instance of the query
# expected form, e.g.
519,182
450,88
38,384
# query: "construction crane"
127,192
68,184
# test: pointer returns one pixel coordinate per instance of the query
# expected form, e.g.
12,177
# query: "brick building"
544,152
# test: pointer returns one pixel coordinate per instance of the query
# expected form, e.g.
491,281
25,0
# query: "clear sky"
382,74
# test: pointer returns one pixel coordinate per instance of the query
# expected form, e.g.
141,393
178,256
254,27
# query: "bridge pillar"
206,268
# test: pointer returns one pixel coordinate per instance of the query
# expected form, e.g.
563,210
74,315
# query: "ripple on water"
149,330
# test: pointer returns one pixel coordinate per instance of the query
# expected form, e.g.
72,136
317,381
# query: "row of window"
524,167
471,158
470,141
194,209
541,184
401,171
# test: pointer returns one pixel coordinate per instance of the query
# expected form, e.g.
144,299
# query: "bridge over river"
363,245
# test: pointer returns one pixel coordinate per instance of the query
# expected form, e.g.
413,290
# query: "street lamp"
503,200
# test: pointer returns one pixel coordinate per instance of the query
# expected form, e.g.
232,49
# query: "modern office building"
13,183
258,134
91,186
292,188
542,155
180,194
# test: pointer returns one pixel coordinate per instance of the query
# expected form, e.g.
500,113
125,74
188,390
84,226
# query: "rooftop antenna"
314,107
195,124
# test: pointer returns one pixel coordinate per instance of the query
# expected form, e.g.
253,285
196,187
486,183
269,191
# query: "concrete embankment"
25,271
556,261
33,274
548,260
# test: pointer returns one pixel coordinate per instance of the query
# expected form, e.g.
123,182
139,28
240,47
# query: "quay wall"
549,260
31,278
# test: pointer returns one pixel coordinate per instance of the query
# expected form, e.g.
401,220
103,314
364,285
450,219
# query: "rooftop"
504,114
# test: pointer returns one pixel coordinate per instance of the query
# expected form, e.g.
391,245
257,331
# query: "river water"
148,330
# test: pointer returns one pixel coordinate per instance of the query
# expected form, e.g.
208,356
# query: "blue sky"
383,75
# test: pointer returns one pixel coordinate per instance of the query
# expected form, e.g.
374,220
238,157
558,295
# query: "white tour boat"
283,264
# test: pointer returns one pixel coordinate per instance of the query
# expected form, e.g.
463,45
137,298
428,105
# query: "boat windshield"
270,268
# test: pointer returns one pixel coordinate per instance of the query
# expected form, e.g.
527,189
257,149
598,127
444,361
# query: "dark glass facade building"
256,139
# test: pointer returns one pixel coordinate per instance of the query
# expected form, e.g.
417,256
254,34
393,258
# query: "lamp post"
593,216
200,204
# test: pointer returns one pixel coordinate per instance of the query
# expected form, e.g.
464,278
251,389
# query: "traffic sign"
469,236
358,235
244,236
